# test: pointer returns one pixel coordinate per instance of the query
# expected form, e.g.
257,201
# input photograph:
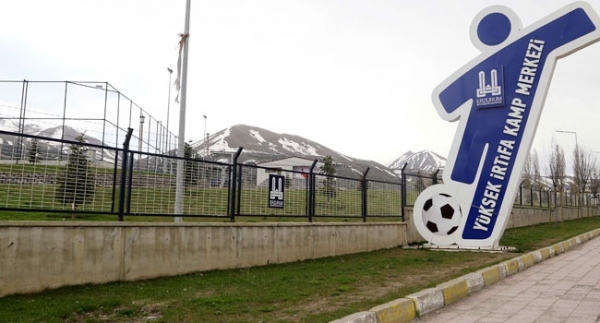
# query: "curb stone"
360,317
428,300
414,305
400,310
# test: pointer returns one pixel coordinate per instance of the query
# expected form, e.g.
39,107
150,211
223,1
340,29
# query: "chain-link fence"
128,182
46,172
540,197
64,109
33,178
545,197
254,194
417,182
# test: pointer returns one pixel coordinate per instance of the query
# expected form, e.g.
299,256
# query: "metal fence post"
311,191
403,193
434,180
124,172
531,195
130,181
114,184
521,193
232,184
364,194
239,189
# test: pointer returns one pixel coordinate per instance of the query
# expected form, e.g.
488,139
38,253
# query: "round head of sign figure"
493,26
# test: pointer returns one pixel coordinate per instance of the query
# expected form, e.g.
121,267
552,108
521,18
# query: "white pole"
205,139
179,187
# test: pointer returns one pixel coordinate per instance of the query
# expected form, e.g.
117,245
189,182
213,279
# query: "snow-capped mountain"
425,161
12,125
50,149
259,140
262,145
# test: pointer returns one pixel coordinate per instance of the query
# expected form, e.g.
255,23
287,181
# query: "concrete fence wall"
39,255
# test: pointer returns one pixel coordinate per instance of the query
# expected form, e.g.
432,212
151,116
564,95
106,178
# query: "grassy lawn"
211,201
309,291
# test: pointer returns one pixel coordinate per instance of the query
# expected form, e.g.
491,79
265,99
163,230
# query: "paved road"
565,288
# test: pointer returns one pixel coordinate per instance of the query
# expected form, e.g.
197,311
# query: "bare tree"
557,167
527,176
531,171
595,182
583,167
537,175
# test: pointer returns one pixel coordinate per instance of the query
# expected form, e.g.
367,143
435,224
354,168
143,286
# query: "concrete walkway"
559,283
565,288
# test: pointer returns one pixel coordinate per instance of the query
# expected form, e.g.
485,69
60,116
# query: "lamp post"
577,160
576,143
142,118
205,138
573,132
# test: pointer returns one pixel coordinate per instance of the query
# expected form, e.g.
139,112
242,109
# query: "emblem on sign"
276,191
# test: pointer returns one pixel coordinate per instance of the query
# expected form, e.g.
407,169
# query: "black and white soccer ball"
442,214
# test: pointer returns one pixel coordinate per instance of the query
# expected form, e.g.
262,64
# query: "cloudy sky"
354,75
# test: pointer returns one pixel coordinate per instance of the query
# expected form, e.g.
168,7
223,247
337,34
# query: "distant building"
291,167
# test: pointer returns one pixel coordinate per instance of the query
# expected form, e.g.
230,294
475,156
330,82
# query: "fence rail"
43,174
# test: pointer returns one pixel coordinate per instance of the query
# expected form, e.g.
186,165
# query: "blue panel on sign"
494,29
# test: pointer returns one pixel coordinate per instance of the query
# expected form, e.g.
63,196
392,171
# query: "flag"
179,59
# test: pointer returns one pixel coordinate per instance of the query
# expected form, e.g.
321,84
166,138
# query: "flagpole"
179,187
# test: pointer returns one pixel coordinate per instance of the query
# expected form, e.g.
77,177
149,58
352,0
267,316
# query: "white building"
291,167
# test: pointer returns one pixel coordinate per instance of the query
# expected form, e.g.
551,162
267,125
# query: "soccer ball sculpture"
442,214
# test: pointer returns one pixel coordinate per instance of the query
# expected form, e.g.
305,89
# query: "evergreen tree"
76,184
288,181
329,184
34,152
191,168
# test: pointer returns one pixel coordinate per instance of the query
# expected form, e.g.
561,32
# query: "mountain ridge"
424,161
259,145
262,145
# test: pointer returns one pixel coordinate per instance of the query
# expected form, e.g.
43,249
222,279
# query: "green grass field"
211,201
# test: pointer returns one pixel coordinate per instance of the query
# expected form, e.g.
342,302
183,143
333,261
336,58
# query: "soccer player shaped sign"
497,99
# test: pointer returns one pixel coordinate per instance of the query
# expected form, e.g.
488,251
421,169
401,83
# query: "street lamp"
207,145
573,132
205,138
